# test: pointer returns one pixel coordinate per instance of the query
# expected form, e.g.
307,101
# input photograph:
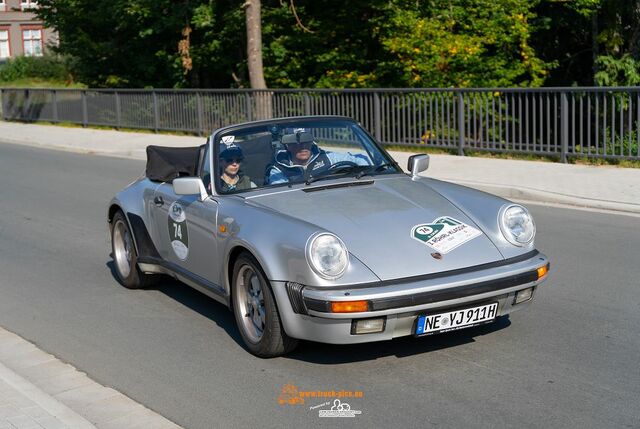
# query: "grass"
40,83
625,163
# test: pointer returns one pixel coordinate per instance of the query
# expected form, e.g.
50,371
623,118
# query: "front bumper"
306,311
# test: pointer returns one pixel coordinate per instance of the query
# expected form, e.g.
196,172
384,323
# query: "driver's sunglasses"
233,160
297,145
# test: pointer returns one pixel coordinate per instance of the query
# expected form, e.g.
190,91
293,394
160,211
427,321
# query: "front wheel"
256,312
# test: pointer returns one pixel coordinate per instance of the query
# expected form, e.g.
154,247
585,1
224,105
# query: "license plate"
456,319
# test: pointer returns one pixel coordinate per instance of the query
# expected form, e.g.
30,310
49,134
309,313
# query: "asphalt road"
572,359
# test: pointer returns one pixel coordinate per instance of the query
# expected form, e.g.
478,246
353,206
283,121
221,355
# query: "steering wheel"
343,165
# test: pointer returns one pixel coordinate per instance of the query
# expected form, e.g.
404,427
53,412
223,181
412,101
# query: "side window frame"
207,167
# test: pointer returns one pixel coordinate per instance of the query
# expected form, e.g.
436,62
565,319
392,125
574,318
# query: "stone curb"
57,409
66,393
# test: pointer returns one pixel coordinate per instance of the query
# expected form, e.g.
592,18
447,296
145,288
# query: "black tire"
134,278
273,341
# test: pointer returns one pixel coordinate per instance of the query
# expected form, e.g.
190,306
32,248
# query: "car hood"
376,221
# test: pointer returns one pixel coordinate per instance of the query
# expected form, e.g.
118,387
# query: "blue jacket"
283,170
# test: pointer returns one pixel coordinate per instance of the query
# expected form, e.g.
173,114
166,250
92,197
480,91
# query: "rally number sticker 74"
444,234
178,232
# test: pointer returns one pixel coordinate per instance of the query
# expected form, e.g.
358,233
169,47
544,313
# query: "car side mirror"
190,186
417,164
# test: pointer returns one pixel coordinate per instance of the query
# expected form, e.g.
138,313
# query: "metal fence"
562,122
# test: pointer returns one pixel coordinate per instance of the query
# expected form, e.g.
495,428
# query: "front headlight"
327,255
517,225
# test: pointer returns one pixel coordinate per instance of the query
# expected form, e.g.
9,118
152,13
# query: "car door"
186,230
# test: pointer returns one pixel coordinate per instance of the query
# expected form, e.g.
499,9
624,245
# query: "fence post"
25,105
307,104
564,127
156,118
377,118
247,99
54,102
200,114
461,124
118,112
85,111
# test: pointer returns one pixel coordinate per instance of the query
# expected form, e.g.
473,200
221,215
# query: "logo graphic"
444,234
178,232
339,409
318,165
228,139
290,395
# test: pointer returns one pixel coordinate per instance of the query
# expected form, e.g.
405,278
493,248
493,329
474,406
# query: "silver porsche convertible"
307,229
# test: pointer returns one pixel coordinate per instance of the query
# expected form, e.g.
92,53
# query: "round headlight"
517,225
327,255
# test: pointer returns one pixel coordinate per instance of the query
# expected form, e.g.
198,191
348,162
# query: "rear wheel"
124,255
256,312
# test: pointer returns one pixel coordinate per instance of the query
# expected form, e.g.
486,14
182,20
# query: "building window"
5,50
3,5
28,4
32,42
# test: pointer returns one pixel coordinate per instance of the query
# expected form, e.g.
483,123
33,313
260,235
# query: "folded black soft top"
166,163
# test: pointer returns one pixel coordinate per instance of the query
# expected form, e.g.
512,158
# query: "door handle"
158,201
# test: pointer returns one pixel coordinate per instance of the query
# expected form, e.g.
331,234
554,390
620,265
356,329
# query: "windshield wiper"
373,169
342,171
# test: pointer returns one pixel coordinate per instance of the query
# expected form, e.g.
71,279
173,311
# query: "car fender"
279,243
483,208
131,201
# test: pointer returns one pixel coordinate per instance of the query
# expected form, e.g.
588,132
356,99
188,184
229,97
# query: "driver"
302,157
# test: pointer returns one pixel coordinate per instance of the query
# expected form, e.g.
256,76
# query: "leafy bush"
46,68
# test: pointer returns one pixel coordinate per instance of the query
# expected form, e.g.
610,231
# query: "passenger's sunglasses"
233,160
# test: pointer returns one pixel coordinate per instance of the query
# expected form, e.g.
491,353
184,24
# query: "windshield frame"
360,132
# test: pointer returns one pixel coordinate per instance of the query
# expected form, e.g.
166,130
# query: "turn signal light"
542,271
349,306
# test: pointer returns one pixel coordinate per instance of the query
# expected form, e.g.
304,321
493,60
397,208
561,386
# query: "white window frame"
32,52
8,42
28,4
3,5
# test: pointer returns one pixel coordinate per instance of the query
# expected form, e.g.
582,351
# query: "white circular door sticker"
178,233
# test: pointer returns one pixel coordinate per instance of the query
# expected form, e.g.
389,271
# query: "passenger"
303,158
232,178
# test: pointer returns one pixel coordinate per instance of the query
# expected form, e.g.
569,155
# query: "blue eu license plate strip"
456,319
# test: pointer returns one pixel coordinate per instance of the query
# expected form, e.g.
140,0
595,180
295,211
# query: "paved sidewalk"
38,391
598,187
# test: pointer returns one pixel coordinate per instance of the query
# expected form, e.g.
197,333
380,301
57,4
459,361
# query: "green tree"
323,44
593,41
120,43
461,43
328,43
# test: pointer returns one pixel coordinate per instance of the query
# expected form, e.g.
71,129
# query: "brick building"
20,31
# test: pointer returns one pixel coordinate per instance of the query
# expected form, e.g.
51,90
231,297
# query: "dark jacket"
284,170
244,182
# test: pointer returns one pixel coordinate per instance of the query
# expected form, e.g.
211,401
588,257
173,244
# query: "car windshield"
296,151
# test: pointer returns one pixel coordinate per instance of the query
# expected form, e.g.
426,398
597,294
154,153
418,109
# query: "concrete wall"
14,19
